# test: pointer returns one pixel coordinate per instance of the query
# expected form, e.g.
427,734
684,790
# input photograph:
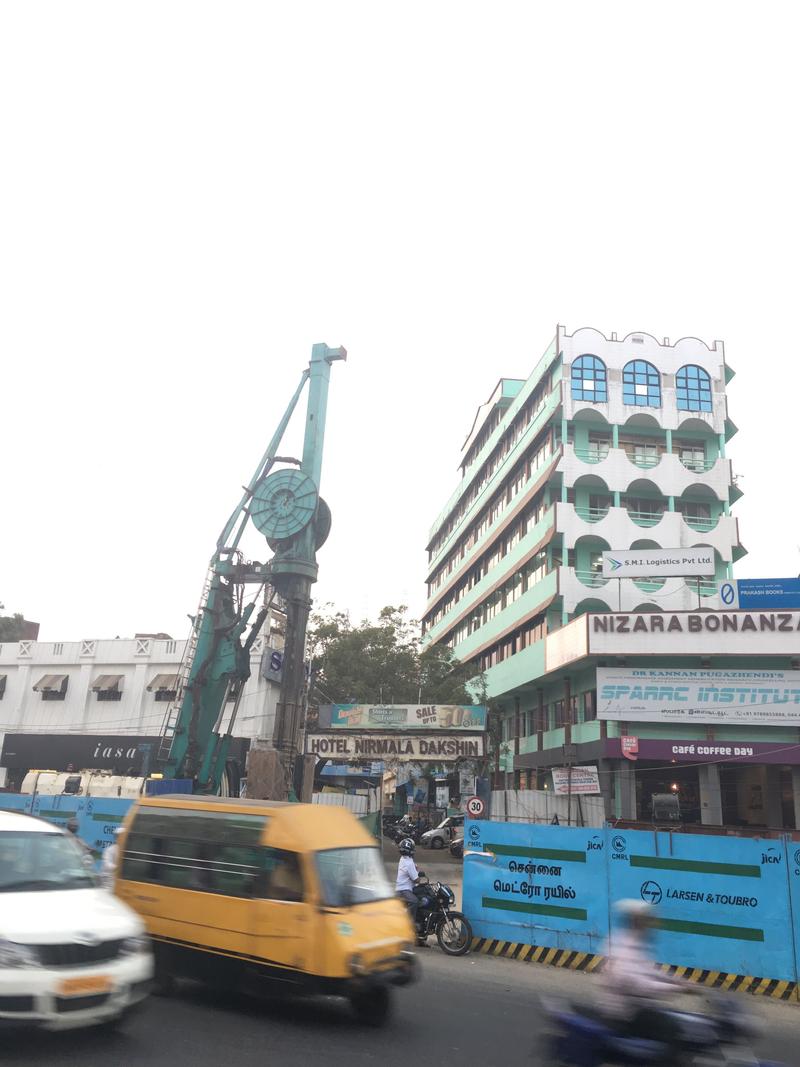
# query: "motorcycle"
579,1037
435,915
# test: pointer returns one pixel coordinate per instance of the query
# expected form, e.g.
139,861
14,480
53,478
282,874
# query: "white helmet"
406,846
631,911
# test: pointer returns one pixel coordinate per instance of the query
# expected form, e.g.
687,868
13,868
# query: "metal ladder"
174,708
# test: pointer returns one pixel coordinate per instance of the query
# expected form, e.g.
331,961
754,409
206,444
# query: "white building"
53,694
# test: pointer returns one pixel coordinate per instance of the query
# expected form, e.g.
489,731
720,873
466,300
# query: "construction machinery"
283,502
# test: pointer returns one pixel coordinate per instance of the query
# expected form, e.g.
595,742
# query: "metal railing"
700,523
643,459
700,466
591,514
594,579
592,455
646,518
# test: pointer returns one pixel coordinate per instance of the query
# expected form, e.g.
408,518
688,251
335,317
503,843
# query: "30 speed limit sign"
475,807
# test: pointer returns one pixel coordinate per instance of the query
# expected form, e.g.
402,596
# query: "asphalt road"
476,1010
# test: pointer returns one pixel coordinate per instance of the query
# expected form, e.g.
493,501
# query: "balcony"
646,460
645,518
592,455
701,523
590,514
697,464
592,579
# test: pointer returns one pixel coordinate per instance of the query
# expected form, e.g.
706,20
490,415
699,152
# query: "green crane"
286,507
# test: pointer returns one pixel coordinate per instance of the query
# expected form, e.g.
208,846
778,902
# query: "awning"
106,682
163,681
51,681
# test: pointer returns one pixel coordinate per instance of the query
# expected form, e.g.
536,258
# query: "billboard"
582,781
761,594
746,697
659,563
665,633
402,717
440,748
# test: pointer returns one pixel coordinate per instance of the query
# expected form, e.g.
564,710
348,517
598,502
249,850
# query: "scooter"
581,1038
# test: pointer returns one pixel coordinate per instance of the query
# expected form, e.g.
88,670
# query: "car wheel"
372,1006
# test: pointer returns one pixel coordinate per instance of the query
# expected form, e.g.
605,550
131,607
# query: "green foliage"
383,662
12,627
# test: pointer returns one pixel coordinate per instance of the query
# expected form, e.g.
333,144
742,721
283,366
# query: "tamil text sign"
440,748
659,563
752,633
576,781
402,717
748,697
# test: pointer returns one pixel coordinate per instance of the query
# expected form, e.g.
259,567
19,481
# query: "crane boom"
285,505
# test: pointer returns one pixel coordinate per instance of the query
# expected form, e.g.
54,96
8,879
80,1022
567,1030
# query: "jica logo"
770,856
651,892
595,845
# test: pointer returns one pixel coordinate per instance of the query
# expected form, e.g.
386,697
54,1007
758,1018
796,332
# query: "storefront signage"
629,747
123,753
575,781
699,751
402,717
753,633
749,697
761,594
439,748
659,563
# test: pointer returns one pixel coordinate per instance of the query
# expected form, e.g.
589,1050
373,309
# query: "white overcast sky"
191,194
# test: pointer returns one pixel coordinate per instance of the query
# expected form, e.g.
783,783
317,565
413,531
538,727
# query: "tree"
383,663
12,627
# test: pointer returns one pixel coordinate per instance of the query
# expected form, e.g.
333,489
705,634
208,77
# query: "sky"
192,194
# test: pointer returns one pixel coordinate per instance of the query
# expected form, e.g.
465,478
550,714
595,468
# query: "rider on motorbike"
633,988
407,876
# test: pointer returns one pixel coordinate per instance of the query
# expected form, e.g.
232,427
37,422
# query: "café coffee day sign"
402,716
659,563
441,748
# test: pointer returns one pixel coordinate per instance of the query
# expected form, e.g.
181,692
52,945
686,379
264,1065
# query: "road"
476,1010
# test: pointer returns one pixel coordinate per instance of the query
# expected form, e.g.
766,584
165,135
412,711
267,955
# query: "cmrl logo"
620,847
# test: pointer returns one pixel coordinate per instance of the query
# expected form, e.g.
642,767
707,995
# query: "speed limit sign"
475,807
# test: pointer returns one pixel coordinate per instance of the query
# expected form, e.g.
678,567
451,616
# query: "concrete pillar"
669,440
625,791
796,793
710,795
772,792
615,436
606,769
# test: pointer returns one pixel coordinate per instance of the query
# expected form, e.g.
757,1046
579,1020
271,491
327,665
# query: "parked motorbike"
579,1037
435,915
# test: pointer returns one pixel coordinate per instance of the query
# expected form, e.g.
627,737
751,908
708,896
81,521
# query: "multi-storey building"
609,444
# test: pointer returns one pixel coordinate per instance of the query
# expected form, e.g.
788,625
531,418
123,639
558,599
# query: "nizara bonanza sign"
659,563
441,748
748,697
727,633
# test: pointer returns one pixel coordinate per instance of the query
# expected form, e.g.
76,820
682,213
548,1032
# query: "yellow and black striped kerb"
590,962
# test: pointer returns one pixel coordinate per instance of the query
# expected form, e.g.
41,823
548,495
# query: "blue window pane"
693,388
588,376
641,384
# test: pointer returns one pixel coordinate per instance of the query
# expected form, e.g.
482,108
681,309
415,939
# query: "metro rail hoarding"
746,697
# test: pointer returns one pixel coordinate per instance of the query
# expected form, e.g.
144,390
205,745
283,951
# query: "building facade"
610,444
97,703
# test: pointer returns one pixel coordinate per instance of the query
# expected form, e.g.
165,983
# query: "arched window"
693,387
589,380
641,384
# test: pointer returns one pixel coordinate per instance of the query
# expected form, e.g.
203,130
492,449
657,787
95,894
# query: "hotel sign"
439,748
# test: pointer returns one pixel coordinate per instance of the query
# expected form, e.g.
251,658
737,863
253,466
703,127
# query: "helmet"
634,913
406,846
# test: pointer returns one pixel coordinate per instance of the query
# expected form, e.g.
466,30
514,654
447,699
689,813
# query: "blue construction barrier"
724,904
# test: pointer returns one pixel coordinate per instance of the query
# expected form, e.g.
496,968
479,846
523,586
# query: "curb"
589,962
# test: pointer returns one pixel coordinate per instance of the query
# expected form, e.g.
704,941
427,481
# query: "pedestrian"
110,858
72,827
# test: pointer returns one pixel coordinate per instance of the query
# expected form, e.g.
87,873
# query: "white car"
444,833
71,954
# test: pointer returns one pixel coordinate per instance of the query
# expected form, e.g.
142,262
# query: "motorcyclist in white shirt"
407,876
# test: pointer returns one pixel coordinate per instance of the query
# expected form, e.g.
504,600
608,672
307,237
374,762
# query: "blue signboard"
723,904
761,594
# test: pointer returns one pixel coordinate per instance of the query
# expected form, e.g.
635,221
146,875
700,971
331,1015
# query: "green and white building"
611,443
